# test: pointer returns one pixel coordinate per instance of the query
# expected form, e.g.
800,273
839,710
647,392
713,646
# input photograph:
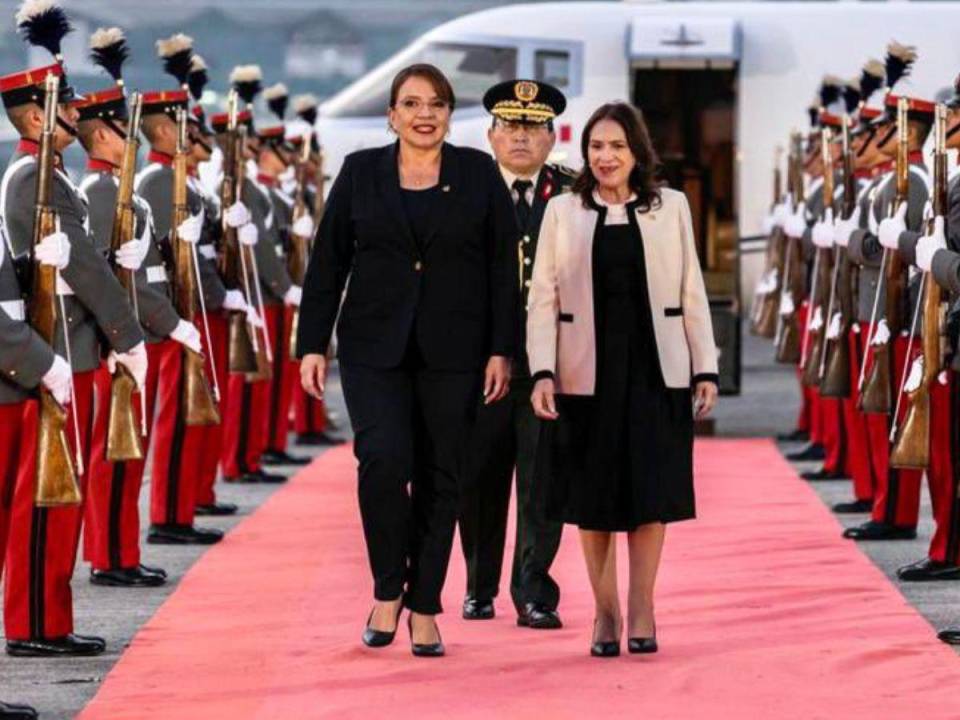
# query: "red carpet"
763,611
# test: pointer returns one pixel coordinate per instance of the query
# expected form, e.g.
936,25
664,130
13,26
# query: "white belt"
14,308
156,274
207,251
62,287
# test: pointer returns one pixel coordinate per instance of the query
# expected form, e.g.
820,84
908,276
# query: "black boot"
795,436
66,646
951,636
539,617
822,474
856,506
280,457
17,712
927,570
477,609
872,530
216,509
182,535
813,451
126,577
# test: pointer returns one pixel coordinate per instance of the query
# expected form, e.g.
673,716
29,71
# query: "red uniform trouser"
855,423
832,433
809,417
175,461
11,436
897,497
43,542
941,477
244,436
286,374
212,435
112,531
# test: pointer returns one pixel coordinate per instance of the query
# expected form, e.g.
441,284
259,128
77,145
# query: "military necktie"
523,207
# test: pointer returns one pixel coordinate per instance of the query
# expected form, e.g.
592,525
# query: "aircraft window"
471,69
553,67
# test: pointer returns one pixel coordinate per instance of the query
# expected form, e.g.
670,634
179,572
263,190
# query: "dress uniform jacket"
26,357
274,279
214,290
93,297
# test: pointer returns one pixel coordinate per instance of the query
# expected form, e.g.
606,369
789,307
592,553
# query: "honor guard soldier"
112,532
275,159
506,434
43,540
177,449
218,299
896,503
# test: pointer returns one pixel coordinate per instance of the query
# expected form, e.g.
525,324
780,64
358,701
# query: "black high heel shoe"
643,645
605,648
425,649
380,638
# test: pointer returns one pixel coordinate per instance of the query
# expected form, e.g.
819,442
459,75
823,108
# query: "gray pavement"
767,405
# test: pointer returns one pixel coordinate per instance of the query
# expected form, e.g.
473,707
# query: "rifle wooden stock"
198,404
299,251
56,477
123,436
788,336
764,315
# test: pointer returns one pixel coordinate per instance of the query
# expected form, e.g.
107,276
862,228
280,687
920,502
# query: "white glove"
54,250
303,226
786,304
817,321
881,336
768,283
237,215
780,213
233,300
253,318
248,234
796,224
928,245
891,227
833,332
843,229
191,229
293,296
134,359
58,380
187,334
288,185
130,255
916,375
823,232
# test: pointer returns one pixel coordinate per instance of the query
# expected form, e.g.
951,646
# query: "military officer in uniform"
43,541
506,434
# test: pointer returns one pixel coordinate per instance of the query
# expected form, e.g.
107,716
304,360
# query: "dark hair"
642,180
430,73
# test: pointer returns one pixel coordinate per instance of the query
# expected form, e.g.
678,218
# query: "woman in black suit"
425,232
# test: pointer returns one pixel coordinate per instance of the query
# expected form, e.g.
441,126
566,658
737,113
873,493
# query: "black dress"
624,456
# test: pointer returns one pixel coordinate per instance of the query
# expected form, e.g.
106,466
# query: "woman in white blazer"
622,353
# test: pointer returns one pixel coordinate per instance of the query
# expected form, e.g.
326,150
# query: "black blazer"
459,294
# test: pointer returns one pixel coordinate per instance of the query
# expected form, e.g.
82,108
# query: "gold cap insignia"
526,91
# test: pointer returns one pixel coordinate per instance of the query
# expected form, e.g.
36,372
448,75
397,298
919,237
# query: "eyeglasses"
415,105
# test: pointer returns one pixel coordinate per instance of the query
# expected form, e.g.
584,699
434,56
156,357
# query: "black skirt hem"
666,520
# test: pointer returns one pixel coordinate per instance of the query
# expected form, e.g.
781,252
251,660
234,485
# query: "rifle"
788,333
765,313
56,475
199,404
878,390
911,448
243,336
123,437
299,253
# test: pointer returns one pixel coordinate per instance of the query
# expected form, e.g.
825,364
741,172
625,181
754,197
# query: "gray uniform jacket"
274,279
157,314
92,296
214,290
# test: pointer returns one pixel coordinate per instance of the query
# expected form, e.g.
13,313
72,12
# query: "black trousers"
506,436
411,426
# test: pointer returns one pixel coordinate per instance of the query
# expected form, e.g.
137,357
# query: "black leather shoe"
216,509
795,436
126,577
539,617
183,535
951,636
605,648
66,646
855,506
153,570
17,712
642,646
927,570
317,439
810,452
873,530
822,474
279,457
425,649
474,609
380,638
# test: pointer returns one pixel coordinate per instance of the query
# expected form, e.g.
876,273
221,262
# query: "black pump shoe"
380,638
642,646
425,649
605,648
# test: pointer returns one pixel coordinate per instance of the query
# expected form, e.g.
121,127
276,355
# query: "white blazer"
561,337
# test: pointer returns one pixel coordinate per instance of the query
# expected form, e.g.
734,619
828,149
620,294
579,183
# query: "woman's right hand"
543,399
313,374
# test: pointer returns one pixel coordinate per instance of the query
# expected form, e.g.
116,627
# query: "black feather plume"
177,54
851,97
109,50
43,23
829,93
277,99
814,114
246,80
872,78
898,63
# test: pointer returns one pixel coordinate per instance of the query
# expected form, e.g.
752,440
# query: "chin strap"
886,138
67,126
863,148
115,128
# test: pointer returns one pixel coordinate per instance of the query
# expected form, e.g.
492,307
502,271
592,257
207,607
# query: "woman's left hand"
704,398
496,380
